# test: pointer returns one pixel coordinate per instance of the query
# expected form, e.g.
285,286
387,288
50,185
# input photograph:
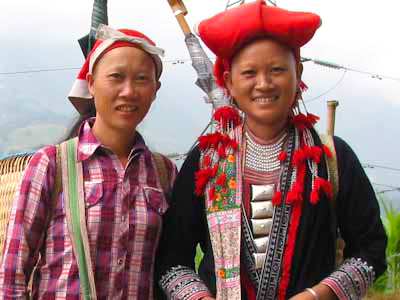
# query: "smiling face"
123,85
263,80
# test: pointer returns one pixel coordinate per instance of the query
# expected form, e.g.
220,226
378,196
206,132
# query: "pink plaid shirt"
123,209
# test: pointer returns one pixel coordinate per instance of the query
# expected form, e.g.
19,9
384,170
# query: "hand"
207,298
324,293
303,296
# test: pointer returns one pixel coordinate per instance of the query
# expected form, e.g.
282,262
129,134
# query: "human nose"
264,82
128,89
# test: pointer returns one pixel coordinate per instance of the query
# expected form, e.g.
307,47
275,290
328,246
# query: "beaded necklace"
263,158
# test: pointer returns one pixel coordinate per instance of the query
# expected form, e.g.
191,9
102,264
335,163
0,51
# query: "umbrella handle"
179,10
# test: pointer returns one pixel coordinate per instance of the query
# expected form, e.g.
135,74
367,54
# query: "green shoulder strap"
72,181
331,162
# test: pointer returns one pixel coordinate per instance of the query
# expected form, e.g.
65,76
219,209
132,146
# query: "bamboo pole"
330,128
180,11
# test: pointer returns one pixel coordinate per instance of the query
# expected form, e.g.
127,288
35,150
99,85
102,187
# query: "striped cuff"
352,280
184,284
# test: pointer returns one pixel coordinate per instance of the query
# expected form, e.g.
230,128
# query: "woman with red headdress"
257,193
95,236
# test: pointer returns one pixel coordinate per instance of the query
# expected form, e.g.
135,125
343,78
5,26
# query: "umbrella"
99,16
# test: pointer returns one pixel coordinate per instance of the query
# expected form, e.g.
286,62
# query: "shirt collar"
88,143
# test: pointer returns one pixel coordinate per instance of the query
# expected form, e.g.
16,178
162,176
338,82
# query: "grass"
374,295
390,280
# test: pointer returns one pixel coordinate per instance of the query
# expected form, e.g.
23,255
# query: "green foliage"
390,280
199,257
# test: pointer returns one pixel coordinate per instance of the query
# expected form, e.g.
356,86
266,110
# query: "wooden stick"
330,128
179,10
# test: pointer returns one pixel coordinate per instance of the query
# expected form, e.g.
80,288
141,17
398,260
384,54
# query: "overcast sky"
359,35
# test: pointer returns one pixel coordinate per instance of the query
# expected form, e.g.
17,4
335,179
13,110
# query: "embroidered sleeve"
352,280
184,284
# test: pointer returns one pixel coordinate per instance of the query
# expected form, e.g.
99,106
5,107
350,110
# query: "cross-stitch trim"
183,283
352,279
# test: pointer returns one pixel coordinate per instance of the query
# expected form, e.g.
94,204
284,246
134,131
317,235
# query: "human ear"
299,70
90,81
228,80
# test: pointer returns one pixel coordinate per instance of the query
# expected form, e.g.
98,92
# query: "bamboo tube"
330,128
179,10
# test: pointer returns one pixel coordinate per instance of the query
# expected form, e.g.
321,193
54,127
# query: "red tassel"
302,121
327,151
312,119
227,115
214,171
299,121
282,156
303,86
308,151
210,140
327,188
298,157
221,180
207,161
314,197
277,198
316,154
324,185
211,193
202,178
221,151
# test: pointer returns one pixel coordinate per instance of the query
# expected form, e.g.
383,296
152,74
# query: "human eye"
278,69
248,72
143,78
116,75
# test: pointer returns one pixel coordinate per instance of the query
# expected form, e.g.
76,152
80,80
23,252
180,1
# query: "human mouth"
127,108
265,100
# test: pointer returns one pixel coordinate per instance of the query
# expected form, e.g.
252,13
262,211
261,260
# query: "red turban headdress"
227,32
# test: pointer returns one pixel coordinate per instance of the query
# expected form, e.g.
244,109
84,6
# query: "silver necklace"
263,158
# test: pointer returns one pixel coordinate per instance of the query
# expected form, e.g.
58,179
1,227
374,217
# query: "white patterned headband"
111,36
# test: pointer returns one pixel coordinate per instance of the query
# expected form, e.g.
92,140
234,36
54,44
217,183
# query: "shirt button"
123,218
120,261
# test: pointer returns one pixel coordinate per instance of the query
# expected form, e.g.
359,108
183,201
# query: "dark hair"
74,129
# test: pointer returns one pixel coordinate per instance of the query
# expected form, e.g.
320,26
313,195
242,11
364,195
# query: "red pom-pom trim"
299,157
321,184
327,151
207,161
302,121
227,115
282,156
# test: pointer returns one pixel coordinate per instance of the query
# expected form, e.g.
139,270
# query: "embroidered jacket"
313,257
123,208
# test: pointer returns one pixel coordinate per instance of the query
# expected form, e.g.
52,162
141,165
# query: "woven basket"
11,170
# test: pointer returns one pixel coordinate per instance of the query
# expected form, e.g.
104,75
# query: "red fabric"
247,285
257,19
293,227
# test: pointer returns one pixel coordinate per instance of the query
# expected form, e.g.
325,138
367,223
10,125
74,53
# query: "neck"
266,132
119,142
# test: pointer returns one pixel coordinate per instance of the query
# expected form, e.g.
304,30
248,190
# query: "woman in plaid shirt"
123,196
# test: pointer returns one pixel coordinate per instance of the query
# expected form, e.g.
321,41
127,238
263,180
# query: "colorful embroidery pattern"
223,191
